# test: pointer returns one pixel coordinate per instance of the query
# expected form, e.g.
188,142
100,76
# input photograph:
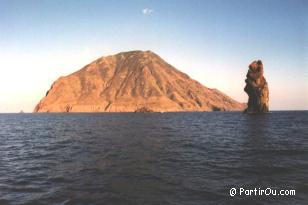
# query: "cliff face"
257,89
129,82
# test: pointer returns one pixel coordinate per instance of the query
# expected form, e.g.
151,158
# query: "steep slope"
129,82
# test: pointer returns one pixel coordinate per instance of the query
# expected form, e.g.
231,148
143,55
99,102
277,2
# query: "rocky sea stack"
135,81
257,89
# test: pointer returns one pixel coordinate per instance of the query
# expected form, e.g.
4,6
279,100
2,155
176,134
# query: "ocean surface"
152,158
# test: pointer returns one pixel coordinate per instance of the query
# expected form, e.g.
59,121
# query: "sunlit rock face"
257,89
135,81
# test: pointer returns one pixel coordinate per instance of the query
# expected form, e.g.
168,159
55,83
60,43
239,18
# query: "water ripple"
170,158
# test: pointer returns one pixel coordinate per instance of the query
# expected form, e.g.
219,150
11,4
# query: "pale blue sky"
212,41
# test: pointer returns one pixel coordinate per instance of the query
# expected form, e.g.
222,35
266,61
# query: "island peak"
133,81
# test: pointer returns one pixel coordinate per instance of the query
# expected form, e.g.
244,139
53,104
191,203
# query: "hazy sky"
212,41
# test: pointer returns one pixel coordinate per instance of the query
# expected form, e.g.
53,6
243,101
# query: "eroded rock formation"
135,81
257,89
143,109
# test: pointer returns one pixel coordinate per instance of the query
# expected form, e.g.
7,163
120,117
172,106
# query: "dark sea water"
142,158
